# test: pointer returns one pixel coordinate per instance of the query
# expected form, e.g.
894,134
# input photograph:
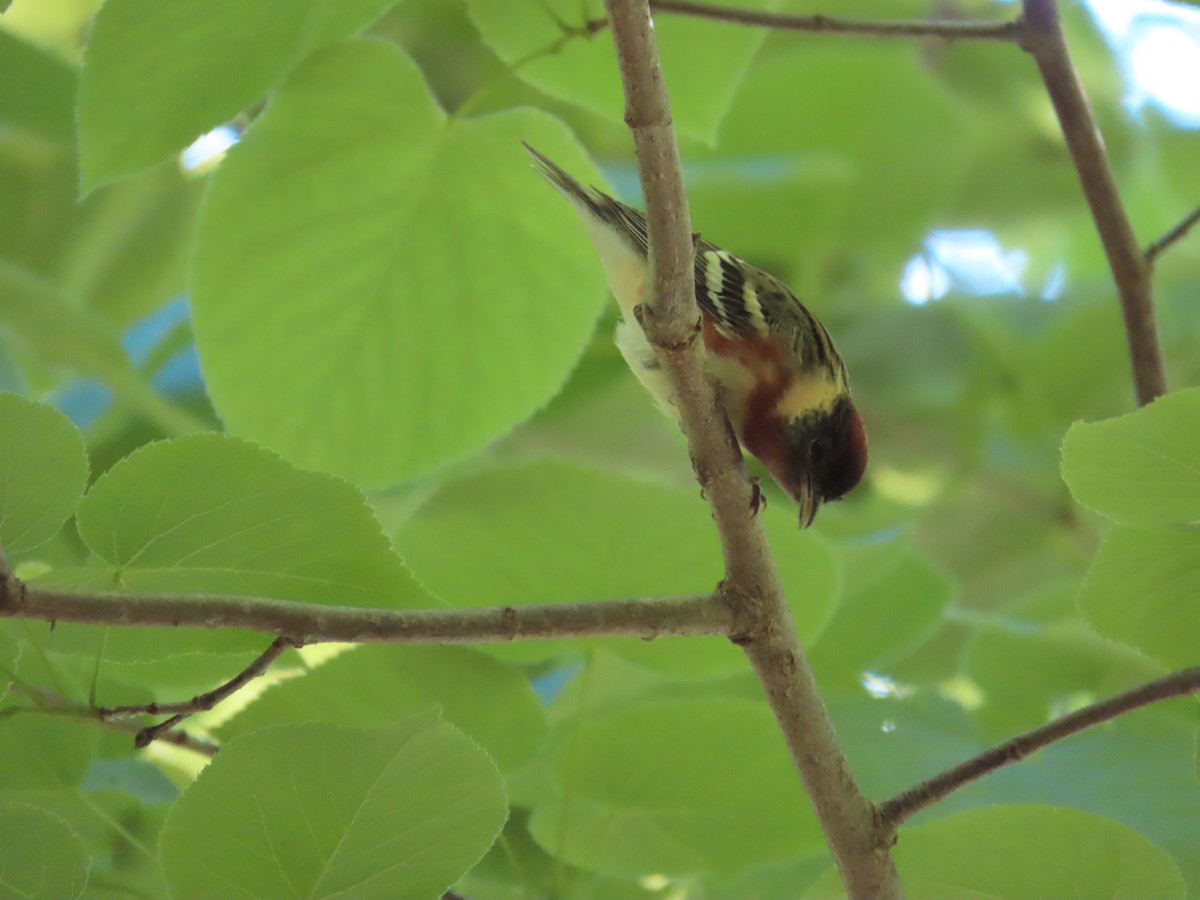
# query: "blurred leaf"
670,801
335,812
156,76
1144,590
491,702
214,514
43,106
1142,468
443,299
41,858
1150,753
829,179
44,753
1021,852
1031,664
549,46
599,537
891,604
43,470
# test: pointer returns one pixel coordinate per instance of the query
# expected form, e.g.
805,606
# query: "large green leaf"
1142,468
677,787
371,685
550,46
328,811
214,514
556,532
1144,589
43,470
41,858
157,75
379,290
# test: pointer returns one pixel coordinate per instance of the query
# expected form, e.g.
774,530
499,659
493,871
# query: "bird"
785,388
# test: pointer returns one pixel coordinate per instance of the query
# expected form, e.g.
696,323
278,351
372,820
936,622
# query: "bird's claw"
758,500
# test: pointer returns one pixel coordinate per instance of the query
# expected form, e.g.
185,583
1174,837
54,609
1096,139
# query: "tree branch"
1044,39
912,801
1175,234
765,629
199,703
314,623
949,30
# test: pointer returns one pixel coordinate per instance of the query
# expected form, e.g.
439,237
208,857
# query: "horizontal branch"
902,806
314,623
1010,31
1185,225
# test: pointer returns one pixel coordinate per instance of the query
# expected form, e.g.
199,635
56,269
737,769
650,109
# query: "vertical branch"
763,625
1044,39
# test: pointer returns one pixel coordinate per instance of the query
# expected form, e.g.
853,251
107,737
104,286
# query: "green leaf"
548,46
1022,852
442,294
1142,468
41,858
328,811
40,752
209,513
490,701
1149,752
891,605
157,75
677,787
807,169
1037,657
42,108
43,470
1144,589
599,536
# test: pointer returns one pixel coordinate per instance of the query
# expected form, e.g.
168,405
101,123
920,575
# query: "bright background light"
1157,46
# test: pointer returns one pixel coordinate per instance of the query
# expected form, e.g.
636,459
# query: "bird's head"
817,456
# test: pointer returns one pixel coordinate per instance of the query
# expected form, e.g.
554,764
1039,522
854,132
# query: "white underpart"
624,267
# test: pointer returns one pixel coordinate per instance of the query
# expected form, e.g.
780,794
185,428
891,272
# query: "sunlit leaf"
378,290
330,811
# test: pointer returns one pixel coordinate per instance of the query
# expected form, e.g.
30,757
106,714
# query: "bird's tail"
568,186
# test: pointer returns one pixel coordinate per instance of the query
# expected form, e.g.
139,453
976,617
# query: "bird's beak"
808,503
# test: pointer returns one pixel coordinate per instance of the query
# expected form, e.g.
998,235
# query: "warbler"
783,383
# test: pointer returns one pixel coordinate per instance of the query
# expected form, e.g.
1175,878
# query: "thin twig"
201,702
912,801
766,631
1175,234
949,30
50,704
1044,39
315,623
176,736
